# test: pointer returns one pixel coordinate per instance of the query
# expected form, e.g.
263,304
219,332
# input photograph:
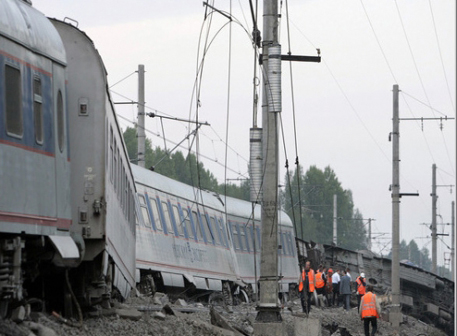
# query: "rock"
130,314
159,316
160,298
219,321
18,314
170,311
39,329
181,302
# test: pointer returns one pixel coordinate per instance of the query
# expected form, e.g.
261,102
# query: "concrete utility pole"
453,243
395,315
335,219
269,310
140,126
369,234
434,235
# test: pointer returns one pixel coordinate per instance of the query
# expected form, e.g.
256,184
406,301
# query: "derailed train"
424,295
67,194
75,214
68,198
191,238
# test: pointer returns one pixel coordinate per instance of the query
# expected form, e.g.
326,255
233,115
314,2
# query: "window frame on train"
14,114
38,123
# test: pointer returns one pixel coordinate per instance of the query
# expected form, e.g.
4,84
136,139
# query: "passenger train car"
66,188
190,238
102,187
35,200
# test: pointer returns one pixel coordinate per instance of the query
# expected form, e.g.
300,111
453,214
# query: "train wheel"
147,286
227,294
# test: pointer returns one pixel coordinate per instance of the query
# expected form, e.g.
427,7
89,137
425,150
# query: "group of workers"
337,285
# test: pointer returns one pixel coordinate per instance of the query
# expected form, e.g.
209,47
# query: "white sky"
343,105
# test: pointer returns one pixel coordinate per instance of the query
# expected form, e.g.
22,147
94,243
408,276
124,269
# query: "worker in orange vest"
320,282
306,286
361,285
369,311
329,286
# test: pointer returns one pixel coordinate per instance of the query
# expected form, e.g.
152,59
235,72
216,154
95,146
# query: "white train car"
35,200
102,186
244,226
183,238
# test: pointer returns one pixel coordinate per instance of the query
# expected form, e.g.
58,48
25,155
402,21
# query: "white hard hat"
362,275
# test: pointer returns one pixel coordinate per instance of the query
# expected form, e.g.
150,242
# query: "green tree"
185,169
308,199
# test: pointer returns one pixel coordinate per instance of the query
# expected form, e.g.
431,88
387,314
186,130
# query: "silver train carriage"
35,200
102,186
186,240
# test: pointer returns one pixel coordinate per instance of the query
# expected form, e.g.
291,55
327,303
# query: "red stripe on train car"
28,148
62,223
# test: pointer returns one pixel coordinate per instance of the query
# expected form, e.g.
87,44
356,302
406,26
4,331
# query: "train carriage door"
62,155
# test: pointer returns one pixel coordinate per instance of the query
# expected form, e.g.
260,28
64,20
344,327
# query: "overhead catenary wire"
181,146
441,55
297,161
379,43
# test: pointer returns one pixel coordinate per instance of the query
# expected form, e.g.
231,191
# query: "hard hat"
330,270
362,275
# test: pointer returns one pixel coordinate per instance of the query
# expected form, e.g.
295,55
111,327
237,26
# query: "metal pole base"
268,315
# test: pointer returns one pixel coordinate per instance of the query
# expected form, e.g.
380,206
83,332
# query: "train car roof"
232,205
25,25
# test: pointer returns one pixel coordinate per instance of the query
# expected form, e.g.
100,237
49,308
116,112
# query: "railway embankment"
149,316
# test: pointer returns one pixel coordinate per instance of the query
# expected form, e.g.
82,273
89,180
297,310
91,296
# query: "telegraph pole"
335,219
140,126
268,308
434,235
369,234
453,243
395,316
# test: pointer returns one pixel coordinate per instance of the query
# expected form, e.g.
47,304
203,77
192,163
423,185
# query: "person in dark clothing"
345,290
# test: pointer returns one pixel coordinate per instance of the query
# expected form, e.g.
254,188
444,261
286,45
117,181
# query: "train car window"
155,214
216,231
224,232
246,238
126,196
119,173
240,236
208,233
178,220
115,166
197,226
166,217
13,93
60,121
144,210
37,110
111,144
291,244
121,182
188,224
283,246
257,236
234,234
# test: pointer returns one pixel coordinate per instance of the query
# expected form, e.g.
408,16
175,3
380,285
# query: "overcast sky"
343,106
